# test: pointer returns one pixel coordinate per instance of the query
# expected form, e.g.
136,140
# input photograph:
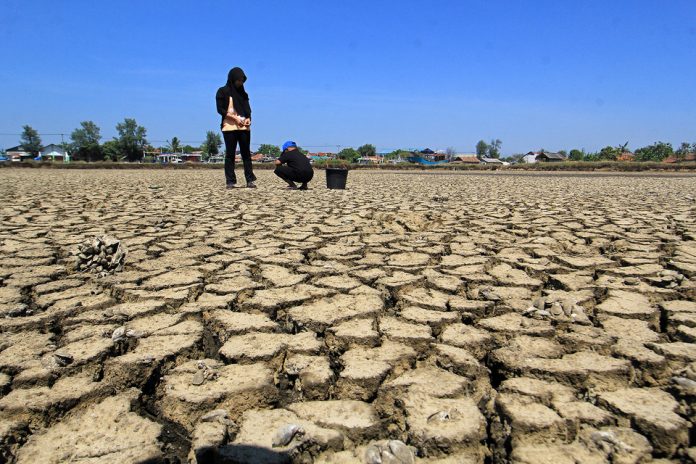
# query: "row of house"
54,152
51,152
626,156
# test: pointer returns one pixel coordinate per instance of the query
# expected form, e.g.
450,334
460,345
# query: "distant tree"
494,148
451,151
367,150
513,158
609,153
563,152
348,154
174,146
481,149
188,149
110,150
269,150
591,157
683,150
85,142
576,155
655,152
398,153
30,140
212,144
131,139
392,154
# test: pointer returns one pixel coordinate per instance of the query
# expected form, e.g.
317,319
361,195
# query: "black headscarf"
239,95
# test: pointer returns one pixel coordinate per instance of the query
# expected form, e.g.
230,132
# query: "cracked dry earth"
459,318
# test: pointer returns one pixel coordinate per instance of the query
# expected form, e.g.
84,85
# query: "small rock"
214,415
541,313
198,378
389,452
118,334
373,455
62,358
556,309
440,416
130,333
285,434
686,384
601,438
402,452
490,295
568,306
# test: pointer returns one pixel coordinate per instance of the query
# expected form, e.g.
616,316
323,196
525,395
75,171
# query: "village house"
547,157
168,158
430,155
466,159
492,161
193,157
530,157
18,154
370,160
54,152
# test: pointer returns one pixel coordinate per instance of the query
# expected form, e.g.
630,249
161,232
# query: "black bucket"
336,178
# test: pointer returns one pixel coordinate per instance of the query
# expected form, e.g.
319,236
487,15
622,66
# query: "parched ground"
473,318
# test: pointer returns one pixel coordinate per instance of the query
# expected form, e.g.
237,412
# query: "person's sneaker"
251,185
292,187
303,186
231,186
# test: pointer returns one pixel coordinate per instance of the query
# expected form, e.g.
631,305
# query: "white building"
54,153
529,158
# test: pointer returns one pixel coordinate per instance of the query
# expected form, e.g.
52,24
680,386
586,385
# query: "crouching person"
293,166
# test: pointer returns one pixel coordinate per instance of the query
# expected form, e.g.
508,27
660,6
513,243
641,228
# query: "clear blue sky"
548,73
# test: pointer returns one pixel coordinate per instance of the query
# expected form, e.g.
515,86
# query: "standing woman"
233,105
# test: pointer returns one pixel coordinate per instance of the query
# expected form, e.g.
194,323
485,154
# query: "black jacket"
298,162
222,101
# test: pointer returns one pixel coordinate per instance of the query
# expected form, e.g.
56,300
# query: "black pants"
244,140
288,174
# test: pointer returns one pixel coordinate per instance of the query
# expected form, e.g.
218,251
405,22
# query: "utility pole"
66,156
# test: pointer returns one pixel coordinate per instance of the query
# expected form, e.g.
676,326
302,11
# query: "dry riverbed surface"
450,318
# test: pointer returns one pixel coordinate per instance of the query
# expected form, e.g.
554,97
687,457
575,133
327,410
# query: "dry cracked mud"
443,318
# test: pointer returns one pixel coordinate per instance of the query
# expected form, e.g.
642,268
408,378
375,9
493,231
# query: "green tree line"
130,144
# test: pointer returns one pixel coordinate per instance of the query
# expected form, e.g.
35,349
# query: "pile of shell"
103,255
564,310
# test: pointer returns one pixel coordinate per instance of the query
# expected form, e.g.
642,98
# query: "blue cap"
289,144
